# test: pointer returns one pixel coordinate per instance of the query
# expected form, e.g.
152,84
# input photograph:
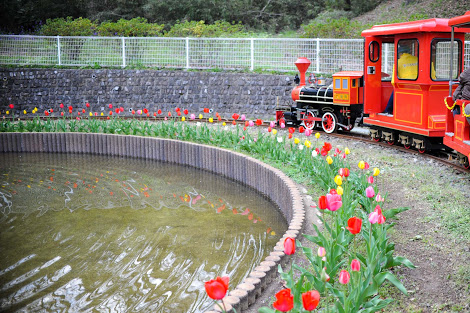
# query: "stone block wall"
255,95
249,171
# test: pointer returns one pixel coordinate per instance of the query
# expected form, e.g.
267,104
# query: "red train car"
457,134
419,81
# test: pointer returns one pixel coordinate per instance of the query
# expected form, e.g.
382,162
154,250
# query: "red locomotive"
405,107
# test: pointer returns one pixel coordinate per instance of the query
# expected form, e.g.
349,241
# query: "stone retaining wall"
262,177
253,94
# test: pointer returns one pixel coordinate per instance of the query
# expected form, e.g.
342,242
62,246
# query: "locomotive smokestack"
302,65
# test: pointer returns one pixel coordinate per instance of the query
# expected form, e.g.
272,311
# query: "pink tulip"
283,125
344,277
272,124
333,202
370,179
251,123
379,198
243,117
192,116
370,193
308,132
321,252
377,216
355,265
366,165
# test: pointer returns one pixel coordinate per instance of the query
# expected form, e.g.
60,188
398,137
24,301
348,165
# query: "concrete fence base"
246,170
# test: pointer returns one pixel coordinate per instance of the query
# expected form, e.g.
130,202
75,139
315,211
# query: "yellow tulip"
183,119
339,190
24,112
223,124
274,132
307,143
346,151
7,112
35,109
376,172
102,114
200,116
296,141
317,135
338,180
329,160
361,165
211,120
91,114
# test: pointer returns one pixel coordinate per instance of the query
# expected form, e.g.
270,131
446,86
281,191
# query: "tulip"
291,130
338,180
296,141
290,136
177,109
322,203
370,193
200,116
333,201
61,113
344,277
272,124
283,125
354,225
314,153
11,106
140,112
133,112
235,116
289,246
145,111
307,143
211,120
117,111
24,112
301,147
259,122
329,160
279,139
110,106
376,172
301,129
379,198
183,119
317,135
217,288
269,129
102,114
91,114
284,300
121,109
308,132
46,113
361,165
324,276
88,105
96,113
321,252
346,151
70,108
223,124
370,179
274,131
355,265
159,112
340,190
251,123
192,116
186,112
310,300
61,106
377,216
366,165
243,117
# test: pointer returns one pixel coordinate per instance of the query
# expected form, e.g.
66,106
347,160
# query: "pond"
109,234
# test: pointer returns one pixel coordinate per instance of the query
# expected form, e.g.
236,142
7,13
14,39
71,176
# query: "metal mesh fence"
326,55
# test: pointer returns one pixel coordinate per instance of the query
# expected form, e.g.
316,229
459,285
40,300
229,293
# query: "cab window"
440,58
345,83
337,83
407,59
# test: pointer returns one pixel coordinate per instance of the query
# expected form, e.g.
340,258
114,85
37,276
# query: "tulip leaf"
381,277
265,309
392,212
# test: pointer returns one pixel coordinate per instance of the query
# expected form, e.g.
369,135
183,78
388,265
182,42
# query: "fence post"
318,55
252,55
123,51
58,51
187,52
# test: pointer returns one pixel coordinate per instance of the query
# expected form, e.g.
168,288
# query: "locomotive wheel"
309,124
466,163
422,150
281,120
391,142
377,139
407,146
329,122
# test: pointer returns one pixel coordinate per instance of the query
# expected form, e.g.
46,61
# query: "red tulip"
169,113
310,300
284,300
110,112
370,179
61,105
61,113
290,136
259,122
52,111
178,113
78,112
110,106
70,108
291,130
289,246
301,129
217,288
344,277
355,265
234,123
327,146
159,112
366,165
146,111
185,112
121,109
155,114
11,106
87,105
270,129
235,116
117,111
354,225
133,112
83,110
206,110
46,113
177,109
322,204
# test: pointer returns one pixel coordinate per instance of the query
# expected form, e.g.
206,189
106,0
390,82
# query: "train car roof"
460,21
430,25
354,74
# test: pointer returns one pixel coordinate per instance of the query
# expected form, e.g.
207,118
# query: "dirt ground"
441,280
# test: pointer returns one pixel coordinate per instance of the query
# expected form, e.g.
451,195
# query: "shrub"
332,28
136,27
68,27
201,29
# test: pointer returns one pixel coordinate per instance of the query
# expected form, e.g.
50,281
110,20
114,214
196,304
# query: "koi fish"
246,212
220,209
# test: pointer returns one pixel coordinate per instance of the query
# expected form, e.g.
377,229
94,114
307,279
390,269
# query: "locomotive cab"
406,64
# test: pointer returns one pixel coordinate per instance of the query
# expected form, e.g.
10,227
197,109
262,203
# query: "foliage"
136,27
201,29
68,27
332,28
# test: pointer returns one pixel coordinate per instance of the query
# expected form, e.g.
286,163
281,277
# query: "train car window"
337,83
440,58
374,51
345,83
407,60
353,83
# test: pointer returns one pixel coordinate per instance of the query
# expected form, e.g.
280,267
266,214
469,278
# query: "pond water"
93,233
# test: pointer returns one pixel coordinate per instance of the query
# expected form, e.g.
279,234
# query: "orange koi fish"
220,209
